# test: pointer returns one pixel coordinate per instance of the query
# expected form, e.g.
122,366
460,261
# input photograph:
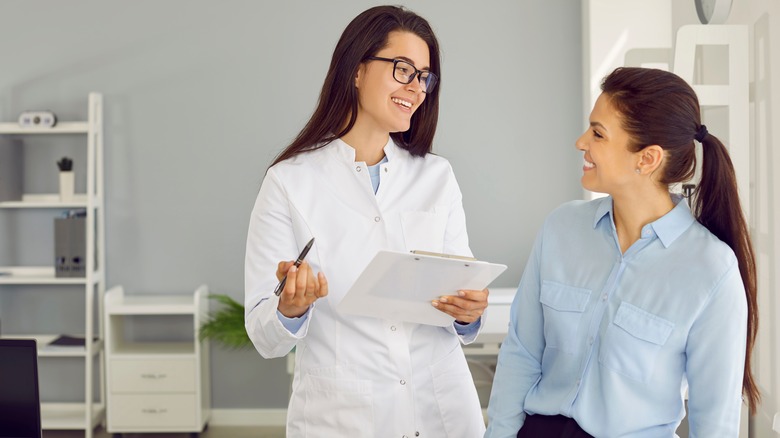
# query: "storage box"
70,244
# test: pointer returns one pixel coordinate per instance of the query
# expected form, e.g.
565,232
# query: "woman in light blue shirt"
632,301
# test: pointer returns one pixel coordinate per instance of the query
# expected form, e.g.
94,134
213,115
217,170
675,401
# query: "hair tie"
701,133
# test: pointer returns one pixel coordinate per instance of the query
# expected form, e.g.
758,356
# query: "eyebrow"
598,125
404,58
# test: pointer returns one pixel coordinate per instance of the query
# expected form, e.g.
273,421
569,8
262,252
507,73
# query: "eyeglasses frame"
414,75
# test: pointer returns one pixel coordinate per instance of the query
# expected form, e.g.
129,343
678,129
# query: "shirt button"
402,382
590,340
377,219
358,168
578,382
392,328
604,297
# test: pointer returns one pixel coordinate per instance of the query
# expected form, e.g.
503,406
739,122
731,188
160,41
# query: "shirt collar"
668,227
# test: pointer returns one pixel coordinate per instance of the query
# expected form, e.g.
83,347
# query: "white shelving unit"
156,385
88,414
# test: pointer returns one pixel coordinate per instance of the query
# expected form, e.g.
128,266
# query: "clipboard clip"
446,256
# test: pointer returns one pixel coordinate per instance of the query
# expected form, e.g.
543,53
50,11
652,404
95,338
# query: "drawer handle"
153,376
154,411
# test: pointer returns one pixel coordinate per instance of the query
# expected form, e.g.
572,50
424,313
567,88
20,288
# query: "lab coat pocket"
424,230
338,407
456,396
632,342
562,306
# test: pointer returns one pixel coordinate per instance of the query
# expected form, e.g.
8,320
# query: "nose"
580,143
415,86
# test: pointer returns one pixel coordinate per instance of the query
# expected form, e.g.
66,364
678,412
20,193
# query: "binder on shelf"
70,245
10,169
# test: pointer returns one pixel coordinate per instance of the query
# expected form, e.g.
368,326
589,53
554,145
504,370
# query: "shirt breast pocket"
632,342
424,230
563,307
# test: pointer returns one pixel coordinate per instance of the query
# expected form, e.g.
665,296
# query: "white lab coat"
360,376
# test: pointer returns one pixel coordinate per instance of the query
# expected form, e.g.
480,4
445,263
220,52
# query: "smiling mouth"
588,164
403,103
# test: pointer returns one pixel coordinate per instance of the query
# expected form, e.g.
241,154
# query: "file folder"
70,244
400,286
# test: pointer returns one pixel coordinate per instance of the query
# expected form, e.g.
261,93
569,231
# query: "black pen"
298,261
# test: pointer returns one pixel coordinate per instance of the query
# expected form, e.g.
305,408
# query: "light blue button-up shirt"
614,340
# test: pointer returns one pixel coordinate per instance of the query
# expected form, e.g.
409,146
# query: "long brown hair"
364,37
660,108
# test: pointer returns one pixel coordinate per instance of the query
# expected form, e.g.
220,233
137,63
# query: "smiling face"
610,167
385,105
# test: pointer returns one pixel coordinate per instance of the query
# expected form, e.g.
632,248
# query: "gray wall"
200,96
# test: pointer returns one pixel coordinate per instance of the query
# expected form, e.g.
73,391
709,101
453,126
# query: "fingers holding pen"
301,289
282,268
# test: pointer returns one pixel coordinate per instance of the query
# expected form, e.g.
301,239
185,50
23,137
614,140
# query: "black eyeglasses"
405,73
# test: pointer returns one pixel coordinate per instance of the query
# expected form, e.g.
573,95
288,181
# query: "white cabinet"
26,226
157,382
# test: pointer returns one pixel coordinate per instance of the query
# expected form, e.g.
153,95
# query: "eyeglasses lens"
405,73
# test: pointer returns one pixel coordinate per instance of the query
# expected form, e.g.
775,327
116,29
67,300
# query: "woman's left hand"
466,307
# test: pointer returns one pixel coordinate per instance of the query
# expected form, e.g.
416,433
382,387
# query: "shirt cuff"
468,329
293,325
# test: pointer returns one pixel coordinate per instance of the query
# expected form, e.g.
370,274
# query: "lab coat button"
358,168
417,434
377,219
385,169
392,328
403,382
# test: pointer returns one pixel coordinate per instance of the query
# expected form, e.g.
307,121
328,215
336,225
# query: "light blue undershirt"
374,172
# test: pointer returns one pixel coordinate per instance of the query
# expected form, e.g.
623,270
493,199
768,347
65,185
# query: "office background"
200,96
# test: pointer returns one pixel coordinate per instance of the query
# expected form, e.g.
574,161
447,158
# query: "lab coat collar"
668,227
346,153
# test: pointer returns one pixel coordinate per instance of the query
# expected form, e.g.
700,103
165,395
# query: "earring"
638,171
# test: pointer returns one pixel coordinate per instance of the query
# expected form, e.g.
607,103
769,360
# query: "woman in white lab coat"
360,178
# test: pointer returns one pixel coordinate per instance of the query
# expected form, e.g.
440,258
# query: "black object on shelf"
68,341
65,164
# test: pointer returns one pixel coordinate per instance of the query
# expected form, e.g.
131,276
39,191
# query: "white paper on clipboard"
400,286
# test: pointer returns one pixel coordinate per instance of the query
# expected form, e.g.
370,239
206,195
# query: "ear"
650,159
359,74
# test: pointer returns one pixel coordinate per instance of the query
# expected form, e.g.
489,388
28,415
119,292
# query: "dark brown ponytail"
659,108
716,205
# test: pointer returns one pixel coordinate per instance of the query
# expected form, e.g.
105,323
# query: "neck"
634,211
368,144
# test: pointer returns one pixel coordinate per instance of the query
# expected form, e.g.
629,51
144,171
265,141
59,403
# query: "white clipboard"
400,286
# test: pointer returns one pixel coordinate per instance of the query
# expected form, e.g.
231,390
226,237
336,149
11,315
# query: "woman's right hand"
301,289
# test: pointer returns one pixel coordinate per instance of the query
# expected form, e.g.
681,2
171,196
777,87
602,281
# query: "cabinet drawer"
147,412
152,376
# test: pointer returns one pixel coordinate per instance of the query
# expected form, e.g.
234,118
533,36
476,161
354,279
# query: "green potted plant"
226,324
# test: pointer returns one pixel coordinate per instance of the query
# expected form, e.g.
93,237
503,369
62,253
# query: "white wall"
763,19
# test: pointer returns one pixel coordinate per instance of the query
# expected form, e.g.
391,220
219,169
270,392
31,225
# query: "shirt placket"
592,338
